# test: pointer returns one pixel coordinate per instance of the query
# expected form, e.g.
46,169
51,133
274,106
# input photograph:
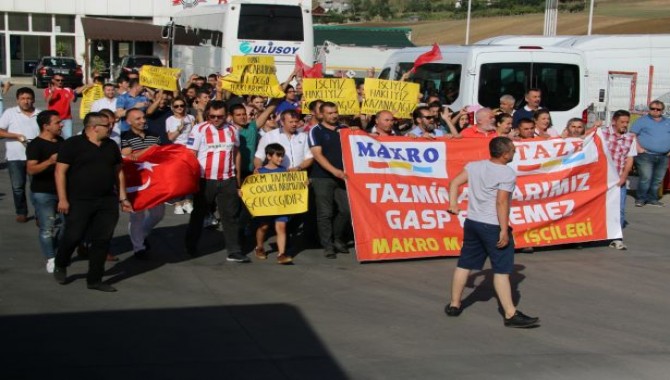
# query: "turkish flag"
160,174
433,55
308,71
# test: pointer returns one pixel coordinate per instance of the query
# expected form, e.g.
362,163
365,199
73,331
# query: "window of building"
2,20
41,23
18,21
65,23
65,46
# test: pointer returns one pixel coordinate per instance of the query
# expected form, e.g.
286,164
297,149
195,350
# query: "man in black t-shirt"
134,143
41,154
90,184
327,178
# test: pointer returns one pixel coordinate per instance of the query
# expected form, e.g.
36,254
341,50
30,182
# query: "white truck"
578,75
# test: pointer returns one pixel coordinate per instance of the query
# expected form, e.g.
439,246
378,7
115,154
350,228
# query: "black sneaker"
330,254
340,247
102,287
60,275
142,254
453,311
521,320
639,203
238,258
656,203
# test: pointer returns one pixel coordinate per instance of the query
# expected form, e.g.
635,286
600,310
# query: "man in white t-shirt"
19,125
106,102
486,232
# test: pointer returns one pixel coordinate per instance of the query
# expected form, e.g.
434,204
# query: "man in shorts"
486,232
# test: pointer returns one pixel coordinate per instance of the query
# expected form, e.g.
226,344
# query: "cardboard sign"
89,96
274,194
341,91
253,75
401,98
164,78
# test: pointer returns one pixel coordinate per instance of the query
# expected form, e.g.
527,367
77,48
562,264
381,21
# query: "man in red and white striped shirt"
216,144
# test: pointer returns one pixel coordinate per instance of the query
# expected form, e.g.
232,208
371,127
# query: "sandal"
260,253
284,259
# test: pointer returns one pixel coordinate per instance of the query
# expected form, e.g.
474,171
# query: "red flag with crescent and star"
160,174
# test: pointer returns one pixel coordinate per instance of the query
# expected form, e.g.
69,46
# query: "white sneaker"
618,244
188,207
178,210
51,263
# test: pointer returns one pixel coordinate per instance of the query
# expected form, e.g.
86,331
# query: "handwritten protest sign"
401,98
275,193
341,91
89,96
164,78
253,75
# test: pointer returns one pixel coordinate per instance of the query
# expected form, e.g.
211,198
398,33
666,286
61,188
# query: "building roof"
106,29
362,36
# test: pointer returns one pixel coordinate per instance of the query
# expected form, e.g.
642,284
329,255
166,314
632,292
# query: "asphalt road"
604,313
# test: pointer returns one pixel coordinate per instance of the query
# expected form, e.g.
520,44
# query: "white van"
623,71
575,74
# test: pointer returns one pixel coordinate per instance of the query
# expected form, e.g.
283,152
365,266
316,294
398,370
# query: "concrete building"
83,29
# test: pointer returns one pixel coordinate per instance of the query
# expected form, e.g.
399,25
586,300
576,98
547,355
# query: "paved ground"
604,314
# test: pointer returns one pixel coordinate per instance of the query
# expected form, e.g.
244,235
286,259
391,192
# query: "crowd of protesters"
77,182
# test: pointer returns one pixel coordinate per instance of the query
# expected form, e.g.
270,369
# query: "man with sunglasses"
216,144
653,136
424,124
60,98
90,186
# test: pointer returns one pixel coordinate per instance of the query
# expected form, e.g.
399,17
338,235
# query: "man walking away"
486,232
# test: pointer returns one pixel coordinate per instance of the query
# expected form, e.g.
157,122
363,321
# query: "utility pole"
550,17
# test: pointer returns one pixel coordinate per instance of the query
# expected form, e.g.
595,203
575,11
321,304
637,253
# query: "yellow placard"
89,96
274,194
163,78
401,98
341,91
253,75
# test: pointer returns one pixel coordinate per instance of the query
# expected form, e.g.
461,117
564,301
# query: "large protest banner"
401,98
270,194
253,75
89,96
341,91
399,193
164,78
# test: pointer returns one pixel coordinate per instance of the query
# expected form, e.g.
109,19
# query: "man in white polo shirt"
19,125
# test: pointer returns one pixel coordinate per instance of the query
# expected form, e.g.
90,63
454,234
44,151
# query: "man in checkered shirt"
623,148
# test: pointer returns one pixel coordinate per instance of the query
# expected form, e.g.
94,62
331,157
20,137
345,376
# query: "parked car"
133,63
65,66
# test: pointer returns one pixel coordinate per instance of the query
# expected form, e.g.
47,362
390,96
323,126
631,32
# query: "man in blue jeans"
18,127
41,156
653,136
